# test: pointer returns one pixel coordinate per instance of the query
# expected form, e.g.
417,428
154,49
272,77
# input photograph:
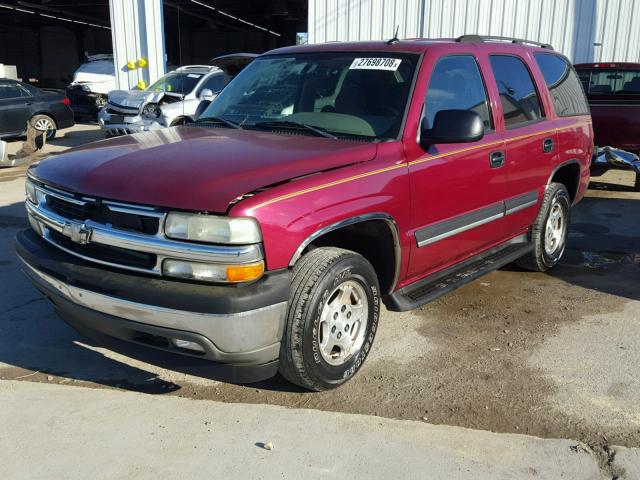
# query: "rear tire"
43,122
550,230
331,320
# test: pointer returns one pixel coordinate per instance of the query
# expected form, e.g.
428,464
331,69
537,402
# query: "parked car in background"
20,102
323,180
613,92
172,100
91,84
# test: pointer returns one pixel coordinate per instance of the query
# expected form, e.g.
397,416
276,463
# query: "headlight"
151,110
212,229
212,272
30,190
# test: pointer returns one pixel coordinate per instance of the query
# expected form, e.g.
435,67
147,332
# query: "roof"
411,45
608,65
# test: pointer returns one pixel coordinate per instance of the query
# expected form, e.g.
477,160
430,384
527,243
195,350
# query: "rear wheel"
332,318
550,230
44,123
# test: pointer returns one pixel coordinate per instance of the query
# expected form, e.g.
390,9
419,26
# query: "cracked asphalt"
554,355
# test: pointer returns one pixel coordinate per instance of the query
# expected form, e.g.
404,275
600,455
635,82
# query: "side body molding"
388,219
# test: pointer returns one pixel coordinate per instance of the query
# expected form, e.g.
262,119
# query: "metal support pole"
137,32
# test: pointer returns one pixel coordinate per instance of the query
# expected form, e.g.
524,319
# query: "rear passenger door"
530,141
456,194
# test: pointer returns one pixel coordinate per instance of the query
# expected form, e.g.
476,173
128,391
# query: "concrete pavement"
53,431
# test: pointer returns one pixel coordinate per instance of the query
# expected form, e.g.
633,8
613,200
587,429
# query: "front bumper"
609,158
239,325
116,124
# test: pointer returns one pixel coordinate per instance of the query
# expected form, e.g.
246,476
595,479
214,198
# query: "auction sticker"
390,64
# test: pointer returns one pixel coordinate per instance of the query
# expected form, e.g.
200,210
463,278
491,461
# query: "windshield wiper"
295,125
228,123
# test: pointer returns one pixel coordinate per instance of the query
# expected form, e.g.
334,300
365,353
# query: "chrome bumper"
251,337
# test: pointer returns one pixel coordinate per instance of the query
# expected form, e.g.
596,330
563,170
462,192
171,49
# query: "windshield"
180,83
347,94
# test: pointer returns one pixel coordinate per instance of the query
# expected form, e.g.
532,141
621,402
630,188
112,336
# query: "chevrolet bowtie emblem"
77,232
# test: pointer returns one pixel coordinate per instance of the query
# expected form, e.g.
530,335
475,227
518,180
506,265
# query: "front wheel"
332,318
550,230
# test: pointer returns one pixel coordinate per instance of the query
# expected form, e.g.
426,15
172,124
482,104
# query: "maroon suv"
323,181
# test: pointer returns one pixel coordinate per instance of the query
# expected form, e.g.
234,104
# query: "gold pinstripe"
414,162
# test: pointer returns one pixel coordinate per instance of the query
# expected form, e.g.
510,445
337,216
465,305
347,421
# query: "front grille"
68,209
104,253
101,213
118,234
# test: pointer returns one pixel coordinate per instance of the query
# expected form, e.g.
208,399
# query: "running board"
449,279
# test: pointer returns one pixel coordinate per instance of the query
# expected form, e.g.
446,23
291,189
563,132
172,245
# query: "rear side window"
520,102
456,84
564,86
9,90
610,81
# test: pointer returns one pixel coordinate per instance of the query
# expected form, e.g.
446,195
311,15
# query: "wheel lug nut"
333,329
346,328
348,314
335,316
344,307
339,334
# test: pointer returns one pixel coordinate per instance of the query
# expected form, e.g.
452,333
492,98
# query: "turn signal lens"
245,273
212,272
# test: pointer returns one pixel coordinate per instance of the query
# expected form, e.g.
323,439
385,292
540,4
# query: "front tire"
332,318
550,230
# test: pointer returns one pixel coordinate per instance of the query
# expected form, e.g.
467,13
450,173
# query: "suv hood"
190,168
134,98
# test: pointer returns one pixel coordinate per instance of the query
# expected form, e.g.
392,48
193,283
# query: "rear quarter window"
563,84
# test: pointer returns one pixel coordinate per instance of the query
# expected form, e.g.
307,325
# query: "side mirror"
452,126
206,94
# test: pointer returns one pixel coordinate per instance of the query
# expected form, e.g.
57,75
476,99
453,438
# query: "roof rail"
484,38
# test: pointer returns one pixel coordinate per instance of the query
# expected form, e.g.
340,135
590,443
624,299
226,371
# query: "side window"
456,84
564,86
215,83
520,102
9,90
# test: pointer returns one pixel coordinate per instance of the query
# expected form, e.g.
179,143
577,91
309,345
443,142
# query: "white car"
171,100
92,81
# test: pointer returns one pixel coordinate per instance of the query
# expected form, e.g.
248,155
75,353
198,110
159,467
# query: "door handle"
496,159
547,145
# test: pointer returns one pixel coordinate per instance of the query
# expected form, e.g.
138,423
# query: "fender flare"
564,164
388,219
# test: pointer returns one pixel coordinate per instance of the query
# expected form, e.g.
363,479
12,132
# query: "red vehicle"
613,93
323,181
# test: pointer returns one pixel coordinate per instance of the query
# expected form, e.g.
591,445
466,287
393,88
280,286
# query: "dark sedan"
21,102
